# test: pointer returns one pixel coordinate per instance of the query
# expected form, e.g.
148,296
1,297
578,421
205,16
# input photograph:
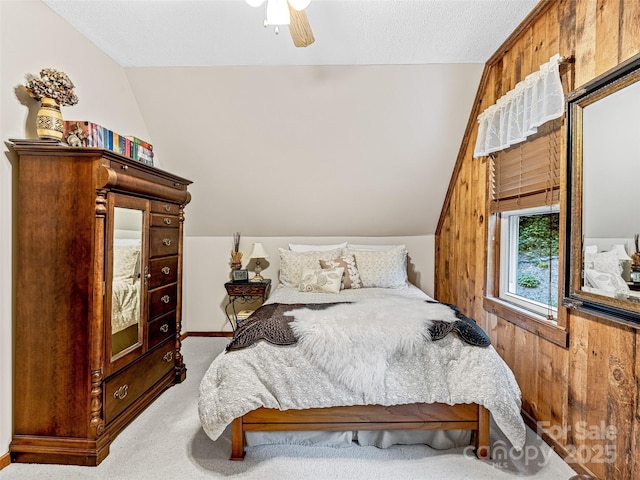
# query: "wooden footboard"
416,416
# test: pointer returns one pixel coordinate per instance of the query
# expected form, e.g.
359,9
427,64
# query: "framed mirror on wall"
603,190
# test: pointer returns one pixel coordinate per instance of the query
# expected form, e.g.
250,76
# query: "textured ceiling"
141,33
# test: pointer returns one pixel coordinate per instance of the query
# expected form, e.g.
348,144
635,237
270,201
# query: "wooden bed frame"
415,416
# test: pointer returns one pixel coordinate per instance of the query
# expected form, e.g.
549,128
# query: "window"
523,253
529,259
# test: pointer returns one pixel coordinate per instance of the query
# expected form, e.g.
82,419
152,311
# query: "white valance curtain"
518,114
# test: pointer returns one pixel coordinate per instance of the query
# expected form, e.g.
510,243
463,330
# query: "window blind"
528,174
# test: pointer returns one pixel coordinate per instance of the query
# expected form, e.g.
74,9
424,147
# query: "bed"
365,357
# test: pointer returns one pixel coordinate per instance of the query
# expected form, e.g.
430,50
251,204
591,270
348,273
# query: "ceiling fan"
288,12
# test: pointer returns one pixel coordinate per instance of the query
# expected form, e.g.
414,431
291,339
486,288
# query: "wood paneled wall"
587,394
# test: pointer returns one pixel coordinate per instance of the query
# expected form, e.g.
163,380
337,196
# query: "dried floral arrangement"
52,84
635,256
236,255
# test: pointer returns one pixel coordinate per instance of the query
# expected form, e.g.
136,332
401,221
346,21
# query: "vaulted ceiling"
356,134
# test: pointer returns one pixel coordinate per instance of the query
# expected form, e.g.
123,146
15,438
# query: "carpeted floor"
166,442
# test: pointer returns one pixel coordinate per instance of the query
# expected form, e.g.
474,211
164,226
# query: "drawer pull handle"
166,299
167,221
164,328
166,270
167,208
166,242
125,167
121,392
168,356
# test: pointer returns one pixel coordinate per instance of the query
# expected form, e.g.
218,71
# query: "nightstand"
244,292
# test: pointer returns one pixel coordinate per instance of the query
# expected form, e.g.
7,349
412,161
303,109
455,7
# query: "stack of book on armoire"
81,133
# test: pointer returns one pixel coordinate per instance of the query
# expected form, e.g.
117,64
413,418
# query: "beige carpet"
166,442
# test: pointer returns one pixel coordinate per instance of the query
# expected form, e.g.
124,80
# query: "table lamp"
258,252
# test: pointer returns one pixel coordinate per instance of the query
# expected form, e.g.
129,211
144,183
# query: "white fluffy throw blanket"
353,343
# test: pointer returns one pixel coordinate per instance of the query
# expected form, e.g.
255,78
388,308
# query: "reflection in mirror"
611,167
126,283
604,162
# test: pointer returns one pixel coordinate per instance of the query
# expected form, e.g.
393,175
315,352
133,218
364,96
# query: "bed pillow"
293,263
126,259
300,247
603,262
381,268
321,280
356,246
351,278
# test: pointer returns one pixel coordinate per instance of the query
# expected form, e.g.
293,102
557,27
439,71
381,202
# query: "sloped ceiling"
355,135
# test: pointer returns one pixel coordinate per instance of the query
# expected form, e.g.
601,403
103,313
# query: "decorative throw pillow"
607,282
322,280
293,263
351,278
381,268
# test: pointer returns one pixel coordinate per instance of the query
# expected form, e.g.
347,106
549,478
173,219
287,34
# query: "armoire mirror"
603,159
126,280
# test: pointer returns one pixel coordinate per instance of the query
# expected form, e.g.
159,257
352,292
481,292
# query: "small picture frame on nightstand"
239,276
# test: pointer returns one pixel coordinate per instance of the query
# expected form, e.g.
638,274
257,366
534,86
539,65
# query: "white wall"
5,281
356,150
206,267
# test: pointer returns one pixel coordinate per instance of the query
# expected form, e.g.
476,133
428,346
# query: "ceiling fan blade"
299,28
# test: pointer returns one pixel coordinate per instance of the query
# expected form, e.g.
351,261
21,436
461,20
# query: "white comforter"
448,371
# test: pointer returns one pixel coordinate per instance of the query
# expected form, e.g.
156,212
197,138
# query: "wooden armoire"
98,298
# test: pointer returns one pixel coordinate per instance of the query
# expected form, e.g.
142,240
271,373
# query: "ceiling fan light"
254,3
299,4
278,12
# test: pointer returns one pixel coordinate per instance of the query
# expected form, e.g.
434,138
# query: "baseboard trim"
555,446
5,460
207,334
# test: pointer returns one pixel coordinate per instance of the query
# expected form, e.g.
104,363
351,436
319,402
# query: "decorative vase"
49,122
236,265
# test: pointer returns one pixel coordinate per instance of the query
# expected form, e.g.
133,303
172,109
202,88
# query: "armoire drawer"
162,300
163,271
167,208
162,328
125,167
126,387
163,241
168,221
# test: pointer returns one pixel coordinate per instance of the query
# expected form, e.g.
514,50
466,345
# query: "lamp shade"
258,251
